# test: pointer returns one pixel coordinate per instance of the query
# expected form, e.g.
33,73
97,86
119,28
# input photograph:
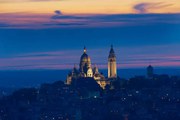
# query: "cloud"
60,15
39,60
58,20
58,12
127,57
145,6
107,20
119,19
12,1
3,25
64,24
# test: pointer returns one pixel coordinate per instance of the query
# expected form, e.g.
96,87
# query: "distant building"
86,70
150,71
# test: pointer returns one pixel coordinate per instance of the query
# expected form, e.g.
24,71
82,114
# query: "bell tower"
112,68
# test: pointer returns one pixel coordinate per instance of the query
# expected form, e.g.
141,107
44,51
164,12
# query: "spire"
84,49
95,69
95,65
75,66
111,46
111,50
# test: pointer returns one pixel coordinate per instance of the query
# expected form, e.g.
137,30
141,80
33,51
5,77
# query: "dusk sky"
51,34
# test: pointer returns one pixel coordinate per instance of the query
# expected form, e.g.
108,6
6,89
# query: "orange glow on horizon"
85,7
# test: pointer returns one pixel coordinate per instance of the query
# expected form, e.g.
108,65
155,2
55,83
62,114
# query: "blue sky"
60,48
142,33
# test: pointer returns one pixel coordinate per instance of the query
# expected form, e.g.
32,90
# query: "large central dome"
85,57
85,62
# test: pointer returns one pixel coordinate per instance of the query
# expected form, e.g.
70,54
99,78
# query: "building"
85,65
150,71
112,69
86,70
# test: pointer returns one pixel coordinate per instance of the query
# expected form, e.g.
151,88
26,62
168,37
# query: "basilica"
86,70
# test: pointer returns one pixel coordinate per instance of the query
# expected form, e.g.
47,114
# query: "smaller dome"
75,70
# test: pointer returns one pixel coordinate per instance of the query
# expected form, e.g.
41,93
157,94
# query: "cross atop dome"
84,49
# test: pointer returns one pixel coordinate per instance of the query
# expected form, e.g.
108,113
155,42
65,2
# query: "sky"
51,34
